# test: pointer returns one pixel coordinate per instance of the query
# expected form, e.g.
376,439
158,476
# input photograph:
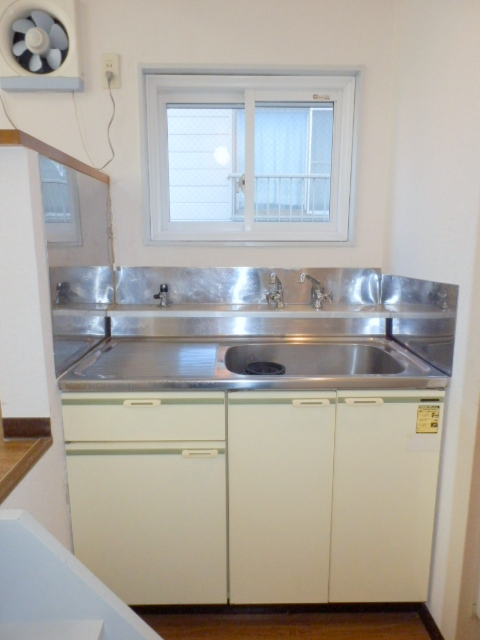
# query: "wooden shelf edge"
26,428
15,137
19,456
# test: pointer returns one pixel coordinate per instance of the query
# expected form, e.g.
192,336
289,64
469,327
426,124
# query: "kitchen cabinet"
147,485
280,458
331,495
387,447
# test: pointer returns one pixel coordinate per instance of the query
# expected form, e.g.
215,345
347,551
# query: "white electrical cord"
109,75
110,227
80,129
6,112
111,232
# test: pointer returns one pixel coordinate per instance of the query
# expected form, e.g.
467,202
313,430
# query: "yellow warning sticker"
427,418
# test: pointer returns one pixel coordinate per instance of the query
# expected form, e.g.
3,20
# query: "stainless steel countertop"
291,311
69,349
154,364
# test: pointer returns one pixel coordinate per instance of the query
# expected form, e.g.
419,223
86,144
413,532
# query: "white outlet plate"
110,62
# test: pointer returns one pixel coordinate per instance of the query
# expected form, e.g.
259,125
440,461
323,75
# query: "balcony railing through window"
299,197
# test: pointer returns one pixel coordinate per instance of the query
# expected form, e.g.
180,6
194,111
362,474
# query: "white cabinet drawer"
150,519
90,417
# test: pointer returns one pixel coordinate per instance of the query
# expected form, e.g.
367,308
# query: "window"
249,158
61,208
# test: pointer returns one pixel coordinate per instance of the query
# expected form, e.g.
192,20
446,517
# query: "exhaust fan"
39,46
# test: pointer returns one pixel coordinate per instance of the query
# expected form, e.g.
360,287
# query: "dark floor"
276,626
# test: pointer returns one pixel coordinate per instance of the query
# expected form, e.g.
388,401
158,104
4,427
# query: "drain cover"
265,369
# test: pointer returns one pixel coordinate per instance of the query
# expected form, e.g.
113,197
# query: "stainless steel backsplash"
243,285
410,301
430,338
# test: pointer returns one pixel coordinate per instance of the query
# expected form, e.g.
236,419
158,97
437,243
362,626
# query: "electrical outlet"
110,62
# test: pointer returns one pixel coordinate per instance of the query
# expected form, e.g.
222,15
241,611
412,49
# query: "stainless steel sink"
315,359
151,364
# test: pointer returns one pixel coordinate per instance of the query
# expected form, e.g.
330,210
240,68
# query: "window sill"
208,242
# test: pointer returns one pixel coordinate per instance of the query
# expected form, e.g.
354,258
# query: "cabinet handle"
311,403
200,453
364,401
139,404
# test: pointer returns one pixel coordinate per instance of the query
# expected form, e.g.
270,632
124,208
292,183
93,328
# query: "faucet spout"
318,294
275,297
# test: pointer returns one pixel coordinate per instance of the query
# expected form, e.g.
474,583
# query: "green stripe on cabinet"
365,399
132,452
120,401
278,400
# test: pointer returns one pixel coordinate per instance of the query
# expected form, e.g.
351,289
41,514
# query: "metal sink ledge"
155,364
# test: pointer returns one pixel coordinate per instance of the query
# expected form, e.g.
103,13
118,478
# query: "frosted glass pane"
203,165
293,152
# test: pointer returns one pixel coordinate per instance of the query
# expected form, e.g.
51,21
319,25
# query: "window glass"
293,152
250,158
202,164
55,191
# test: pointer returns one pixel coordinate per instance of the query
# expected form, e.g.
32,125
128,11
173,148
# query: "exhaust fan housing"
39,46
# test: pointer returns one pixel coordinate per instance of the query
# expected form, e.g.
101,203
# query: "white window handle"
316,402
364,401
142,403
200,453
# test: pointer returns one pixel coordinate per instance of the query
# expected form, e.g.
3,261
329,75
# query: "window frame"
248,90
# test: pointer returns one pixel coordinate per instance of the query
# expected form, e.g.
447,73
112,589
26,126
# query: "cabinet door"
150,522
385,479
280,454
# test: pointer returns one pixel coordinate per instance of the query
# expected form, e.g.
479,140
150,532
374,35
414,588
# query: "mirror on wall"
76,215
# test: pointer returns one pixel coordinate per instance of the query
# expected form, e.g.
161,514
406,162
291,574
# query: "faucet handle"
319,296
162,295
439,298
64,293
277,299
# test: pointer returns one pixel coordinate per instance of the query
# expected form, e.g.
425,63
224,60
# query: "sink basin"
315,359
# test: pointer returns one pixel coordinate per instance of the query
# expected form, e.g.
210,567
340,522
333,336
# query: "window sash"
249,92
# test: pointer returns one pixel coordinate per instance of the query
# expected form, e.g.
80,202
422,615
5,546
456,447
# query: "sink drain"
265,369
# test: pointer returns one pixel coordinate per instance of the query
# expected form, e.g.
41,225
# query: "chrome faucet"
276,296
163,296
318,295
439,297
64,293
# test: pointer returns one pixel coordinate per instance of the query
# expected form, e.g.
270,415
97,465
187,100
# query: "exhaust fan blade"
22,26
35,63
19,48
54,58
43,20
58,37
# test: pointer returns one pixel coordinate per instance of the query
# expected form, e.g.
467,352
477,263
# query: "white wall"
433,234
188,33
27,377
